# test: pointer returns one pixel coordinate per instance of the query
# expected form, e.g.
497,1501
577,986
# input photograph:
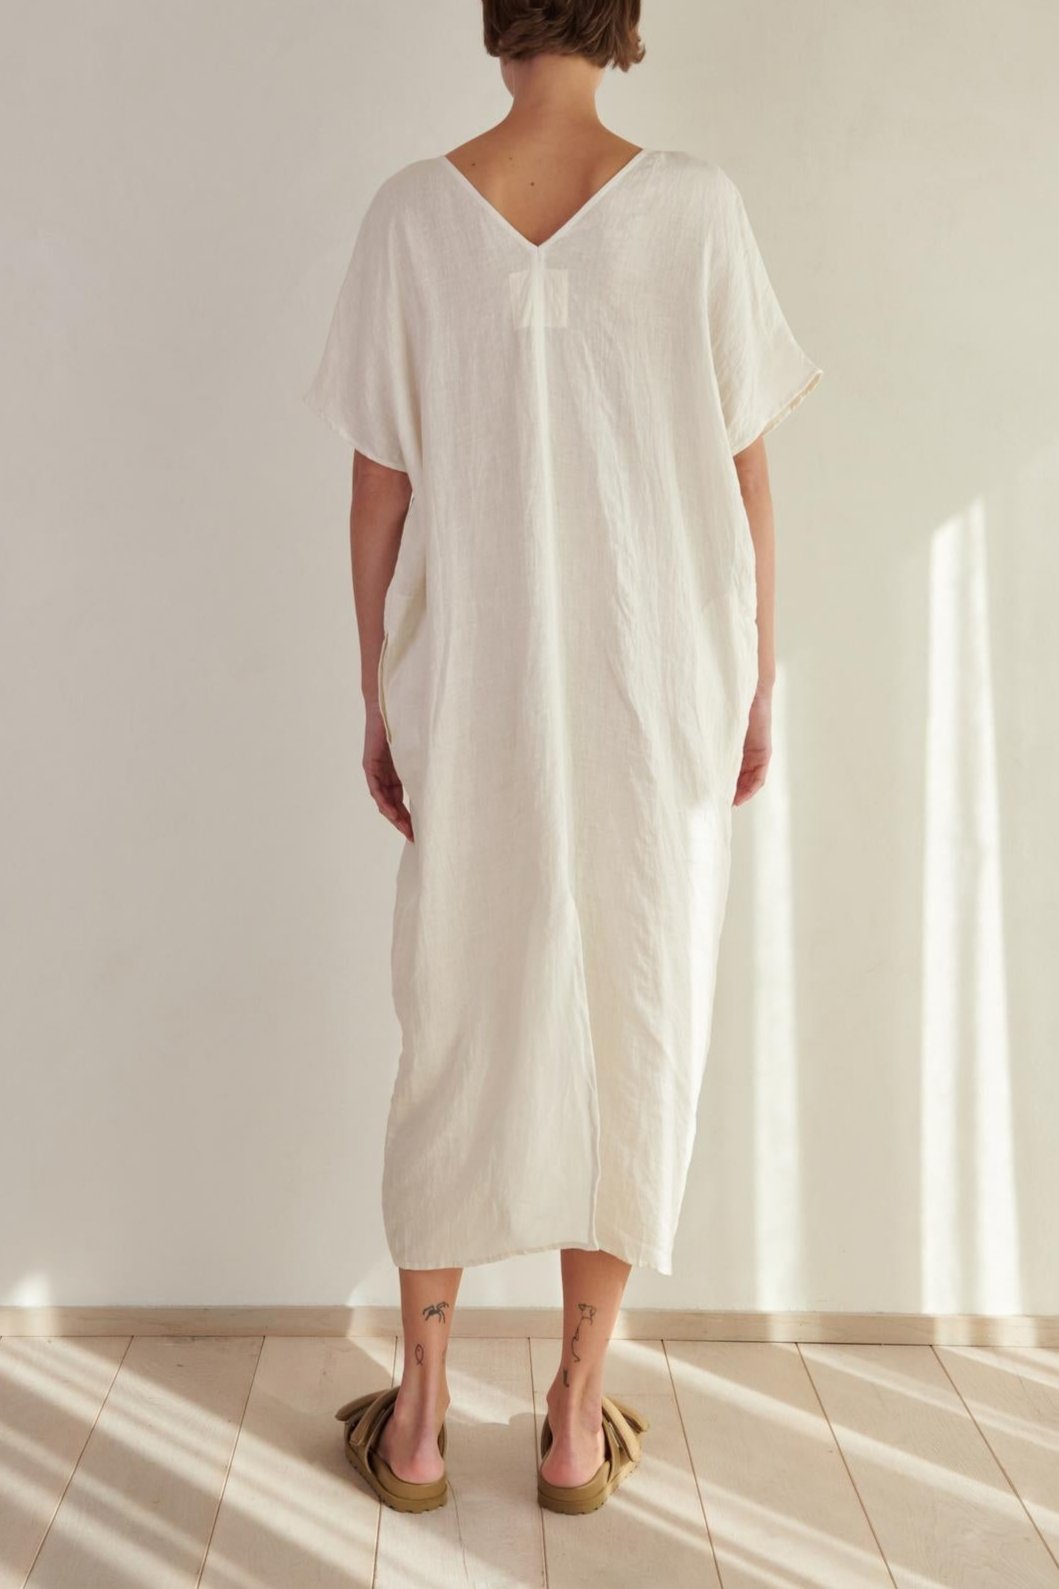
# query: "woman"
556,354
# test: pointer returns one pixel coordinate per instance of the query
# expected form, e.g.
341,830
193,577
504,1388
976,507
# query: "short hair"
604,31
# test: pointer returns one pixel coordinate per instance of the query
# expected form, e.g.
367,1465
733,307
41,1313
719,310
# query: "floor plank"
943,1511
1013,1397
778,1499
142,1502
652,1529
488,1534
172,1462
50,1395
293,1515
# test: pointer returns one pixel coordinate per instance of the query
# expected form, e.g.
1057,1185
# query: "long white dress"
568,665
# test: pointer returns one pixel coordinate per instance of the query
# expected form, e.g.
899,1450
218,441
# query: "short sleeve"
762,372
364,384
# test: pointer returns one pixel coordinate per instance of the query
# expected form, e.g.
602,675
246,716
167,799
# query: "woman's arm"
376,520
752,468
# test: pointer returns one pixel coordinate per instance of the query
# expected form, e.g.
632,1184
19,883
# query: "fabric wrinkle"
568,666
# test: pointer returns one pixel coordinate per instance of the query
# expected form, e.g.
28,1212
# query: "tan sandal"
622,1428
364,1418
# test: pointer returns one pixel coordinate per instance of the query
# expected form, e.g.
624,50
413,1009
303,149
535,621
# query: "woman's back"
538,180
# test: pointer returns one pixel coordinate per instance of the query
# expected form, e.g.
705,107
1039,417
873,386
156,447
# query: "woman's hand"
384,785
757,747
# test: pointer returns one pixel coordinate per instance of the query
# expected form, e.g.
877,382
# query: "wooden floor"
167,1462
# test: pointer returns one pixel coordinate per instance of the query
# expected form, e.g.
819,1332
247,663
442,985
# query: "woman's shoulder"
397,198
408,181
404,186
699,176
692,184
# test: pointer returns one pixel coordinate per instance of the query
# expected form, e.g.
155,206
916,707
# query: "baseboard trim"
673,1324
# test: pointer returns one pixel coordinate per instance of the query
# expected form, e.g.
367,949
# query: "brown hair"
604,31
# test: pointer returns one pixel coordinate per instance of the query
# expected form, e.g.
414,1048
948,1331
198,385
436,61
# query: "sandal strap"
615,1456
347,1410
365,1416
363,1432
624,1435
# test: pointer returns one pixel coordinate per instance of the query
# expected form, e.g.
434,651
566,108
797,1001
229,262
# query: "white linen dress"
568,665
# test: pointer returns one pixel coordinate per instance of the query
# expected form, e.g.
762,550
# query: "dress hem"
632,1252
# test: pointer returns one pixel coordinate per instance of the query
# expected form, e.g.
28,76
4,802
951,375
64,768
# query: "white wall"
197,892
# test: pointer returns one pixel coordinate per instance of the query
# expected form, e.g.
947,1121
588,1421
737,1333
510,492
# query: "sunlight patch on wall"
969,1247
32,1291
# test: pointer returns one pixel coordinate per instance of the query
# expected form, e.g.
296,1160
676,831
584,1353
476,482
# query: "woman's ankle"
421,1408
574,1406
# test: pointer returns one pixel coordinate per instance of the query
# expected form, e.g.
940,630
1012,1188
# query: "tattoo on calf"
436,1310
588,1312
419,1351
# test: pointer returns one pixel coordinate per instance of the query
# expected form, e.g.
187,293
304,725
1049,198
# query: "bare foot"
577,1449
410,1447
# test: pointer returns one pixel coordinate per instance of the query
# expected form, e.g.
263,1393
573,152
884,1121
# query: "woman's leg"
409,1438
593,1285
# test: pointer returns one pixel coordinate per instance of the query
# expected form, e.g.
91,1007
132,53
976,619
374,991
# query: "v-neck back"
560,231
